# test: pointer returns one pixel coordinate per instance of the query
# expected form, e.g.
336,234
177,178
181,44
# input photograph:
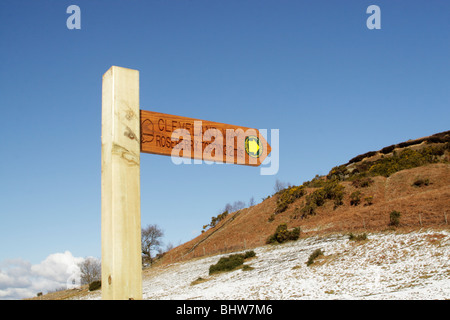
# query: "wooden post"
121,216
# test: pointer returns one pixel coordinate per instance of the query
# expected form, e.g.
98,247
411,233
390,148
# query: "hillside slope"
387,265
421,193
415,265
409,260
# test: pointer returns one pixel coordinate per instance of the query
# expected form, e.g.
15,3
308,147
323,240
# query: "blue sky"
311,69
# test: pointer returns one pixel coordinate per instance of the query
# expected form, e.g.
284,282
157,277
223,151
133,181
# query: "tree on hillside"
91,270
238,205
279,185
150,240
252,202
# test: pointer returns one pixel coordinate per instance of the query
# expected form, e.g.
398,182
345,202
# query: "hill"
410,261
411,177
388,265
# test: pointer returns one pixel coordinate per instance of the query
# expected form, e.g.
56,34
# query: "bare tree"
91,270
279,185
169,247
228,207
150,241
252,202
238,205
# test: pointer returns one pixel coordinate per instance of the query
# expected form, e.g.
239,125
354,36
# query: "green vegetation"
316,253
442,137
394,218
391,161
95,285
358,237
282,234
355,198
388,165
339,173
316,182
287,196
387,150
406,159
360,172
330,190
363,182
249,254
231,262
216,220
227,263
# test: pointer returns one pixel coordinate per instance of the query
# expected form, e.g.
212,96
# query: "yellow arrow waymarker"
253,146
178,136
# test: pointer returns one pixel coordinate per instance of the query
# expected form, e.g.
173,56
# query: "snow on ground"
386,266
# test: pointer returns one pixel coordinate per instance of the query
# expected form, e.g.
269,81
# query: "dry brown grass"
64,294
420,207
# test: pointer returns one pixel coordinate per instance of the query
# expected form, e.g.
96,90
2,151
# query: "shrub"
362,156
95,285
359,237
387,150
369,200
394,218
217,219
406,159
331,190
309,209
317,197
227,263
316,253
408,143
288,196
281,206
231,262
421,182
249,254
435,140
339,173
316,182
294,234
334,191
355,198
362,182
282,234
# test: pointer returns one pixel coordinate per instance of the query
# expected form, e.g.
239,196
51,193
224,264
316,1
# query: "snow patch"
387,266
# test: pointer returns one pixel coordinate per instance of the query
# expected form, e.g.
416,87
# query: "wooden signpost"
177,136
126,132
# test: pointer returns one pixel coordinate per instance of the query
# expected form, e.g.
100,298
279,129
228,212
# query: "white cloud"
20,279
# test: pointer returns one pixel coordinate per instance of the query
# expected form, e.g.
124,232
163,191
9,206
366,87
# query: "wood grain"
178,136
120,204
